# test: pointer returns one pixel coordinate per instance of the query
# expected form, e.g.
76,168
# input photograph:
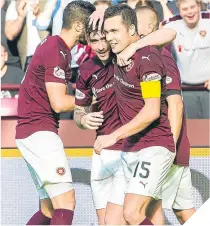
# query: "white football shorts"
44,154
107,178
146,170
177,189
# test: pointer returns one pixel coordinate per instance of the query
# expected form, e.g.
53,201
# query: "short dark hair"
156,19
77,11
127,13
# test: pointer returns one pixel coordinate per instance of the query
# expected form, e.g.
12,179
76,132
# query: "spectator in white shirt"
191,49
20,23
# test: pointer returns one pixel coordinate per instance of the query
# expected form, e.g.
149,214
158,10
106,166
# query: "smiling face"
190,12
117,34
99,45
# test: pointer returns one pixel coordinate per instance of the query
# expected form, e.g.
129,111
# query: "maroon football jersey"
173,82
146,66
96,79
50,63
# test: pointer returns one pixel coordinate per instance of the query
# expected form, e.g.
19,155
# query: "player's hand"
22,8
103,142
95,17
92,120
207,84
124,58
36,8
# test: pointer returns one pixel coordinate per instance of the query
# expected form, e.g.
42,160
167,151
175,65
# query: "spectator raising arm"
45,17
166,11
15,17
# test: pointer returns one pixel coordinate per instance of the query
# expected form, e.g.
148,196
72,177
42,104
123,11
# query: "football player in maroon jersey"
42,96
148,146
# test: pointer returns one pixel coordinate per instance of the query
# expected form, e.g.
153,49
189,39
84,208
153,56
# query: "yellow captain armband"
151,89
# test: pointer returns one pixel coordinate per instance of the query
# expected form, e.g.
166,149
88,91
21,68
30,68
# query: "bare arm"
14,27
157,38
149,113
60,101
44,18
175,114
79,112
85,119
166,11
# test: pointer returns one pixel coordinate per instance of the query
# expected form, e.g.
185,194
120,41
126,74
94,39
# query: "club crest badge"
130,66
60,171
203,33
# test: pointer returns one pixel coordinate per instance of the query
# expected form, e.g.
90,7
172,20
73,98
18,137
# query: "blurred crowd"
24,23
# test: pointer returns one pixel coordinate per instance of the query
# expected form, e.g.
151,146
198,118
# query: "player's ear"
132,30
150,28
78,26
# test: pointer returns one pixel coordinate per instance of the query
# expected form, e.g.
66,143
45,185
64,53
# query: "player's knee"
65,200
101,221
47,207
101,216
154,212
108,219
130,214
180,216
111,220
65,203
184,215
134,214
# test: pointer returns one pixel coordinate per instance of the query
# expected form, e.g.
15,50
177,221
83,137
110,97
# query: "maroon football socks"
39,219
62,217
146,221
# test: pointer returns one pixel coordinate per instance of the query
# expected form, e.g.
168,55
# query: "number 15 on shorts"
142,169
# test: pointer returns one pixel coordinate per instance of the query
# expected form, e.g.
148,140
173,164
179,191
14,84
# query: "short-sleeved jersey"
50,63
146,66
173,83
97,80
191,48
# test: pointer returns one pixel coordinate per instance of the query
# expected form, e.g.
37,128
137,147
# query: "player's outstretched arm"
149,113
85,119
157,38
60,101
175,114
